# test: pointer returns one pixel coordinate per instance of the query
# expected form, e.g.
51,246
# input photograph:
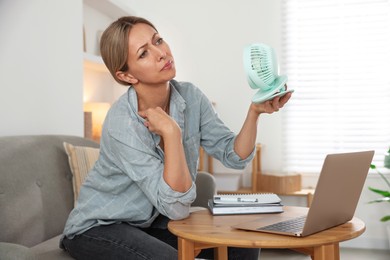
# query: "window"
336,54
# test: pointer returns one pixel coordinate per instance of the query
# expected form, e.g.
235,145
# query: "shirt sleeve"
135,154
217,139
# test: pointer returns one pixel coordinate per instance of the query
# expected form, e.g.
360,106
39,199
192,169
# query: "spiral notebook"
242,199
228,204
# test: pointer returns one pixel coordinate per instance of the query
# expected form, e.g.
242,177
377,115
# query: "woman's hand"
159,122
270,106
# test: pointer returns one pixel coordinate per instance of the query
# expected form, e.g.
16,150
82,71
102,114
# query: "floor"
345,254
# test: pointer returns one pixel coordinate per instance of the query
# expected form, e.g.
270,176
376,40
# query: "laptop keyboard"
294,225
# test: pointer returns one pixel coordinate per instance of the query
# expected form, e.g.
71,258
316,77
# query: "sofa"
37,193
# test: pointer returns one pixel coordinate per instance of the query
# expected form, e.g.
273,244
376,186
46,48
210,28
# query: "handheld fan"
261,68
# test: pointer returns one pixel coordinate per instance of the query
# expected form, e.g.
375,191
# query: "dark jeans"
123,241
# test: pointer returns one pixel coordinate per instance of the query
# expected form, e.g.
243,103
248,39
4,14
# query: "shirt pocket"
191,148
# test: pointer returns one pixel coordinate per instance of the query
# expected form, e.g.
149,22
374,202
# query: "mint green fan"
261,68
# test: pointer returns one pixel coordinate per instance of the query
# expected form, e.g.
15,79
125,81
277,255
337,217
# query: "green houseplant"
384,193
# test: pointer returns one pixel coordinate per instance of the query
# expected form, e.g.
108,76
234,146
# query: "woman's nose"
160,53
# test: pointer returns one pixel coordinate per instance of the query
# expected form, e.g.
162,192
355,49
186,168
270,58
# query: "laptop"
335,199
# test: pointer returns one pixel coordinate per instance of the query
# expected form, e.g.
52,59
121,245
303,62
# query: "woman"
149,150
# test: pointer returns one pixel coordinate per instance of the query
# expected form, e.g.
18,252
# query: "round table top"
202,227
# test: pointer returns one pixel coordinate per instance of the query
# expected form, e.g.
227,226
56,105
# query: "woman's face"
150,60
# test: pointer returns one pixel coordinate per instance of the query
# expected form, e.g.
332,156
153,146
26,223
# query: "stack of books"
229,204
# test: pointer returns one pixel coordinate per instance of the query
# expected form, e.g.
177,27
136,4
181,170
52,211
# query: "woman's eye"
143,54
159,41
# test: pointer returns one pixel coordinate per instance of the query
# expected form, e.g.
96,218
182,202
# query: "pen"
236,199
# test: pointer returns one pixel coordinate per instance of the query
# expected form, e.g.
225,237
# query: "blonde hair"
114,44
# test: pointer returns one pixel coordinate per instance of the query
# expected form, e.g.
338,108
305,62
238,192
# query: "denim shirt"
126,183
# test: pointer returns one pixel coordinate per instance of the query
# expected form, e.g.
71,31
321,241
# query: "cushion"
81,161
9,251
49,250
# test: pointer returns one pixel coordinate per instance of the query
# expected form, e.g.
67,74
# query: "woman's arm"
176,173
246,138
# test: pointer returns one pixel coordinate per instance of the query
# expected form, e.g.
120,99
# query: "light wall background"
41,70
40,67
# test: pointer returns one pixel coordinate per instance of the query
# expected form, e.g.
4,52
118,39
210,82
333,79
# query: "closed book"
231,209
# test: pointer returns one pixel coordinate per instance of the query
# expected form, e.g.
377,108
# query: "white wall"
41,67
99,86
97,83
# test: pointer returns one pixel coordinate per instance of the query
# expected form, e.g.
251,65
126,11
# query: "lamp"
99,111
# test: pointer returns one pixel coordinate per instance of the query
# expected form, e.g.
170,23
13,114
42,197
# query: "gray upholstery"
36,195
205,189
14,251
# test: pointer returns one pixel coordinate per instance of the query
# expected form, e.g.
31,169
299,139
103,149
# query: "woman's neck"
153,96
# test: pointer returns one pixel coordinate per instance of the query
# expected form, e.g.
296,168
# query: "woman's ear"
127,77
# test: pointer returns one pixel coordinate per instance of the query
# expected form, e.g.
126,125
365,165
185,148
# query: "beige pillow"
81,161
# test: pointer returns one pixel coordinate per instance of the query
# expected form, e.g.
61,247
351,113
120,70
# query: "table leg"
221,253
327,252
186,249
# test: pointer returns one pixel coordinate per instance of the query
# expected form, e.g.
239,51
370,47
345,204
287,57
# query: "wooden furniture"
201,166
308,193
286,185
262,182
202,230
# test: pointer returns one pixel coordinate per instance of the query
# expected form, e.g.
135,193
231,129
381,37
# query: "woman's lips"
168,65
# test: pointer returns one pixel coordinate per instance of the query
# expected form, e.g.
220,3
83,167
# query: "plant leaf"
384,199
384,193
385,218
372,166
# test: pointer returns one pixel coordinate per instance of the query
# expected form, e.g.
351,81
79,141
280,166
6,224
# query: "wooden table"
202,230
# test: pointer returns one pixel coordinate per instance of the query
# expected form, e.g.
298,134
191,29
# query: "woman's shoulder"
121,112
119,107
186,89
182,84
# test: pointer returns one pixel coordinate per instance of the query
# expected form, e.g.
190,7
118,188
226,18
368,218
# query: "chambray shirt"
126,182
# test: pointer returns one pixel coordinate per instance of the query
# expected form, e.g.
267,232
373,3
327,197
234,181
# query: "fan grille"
261,62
